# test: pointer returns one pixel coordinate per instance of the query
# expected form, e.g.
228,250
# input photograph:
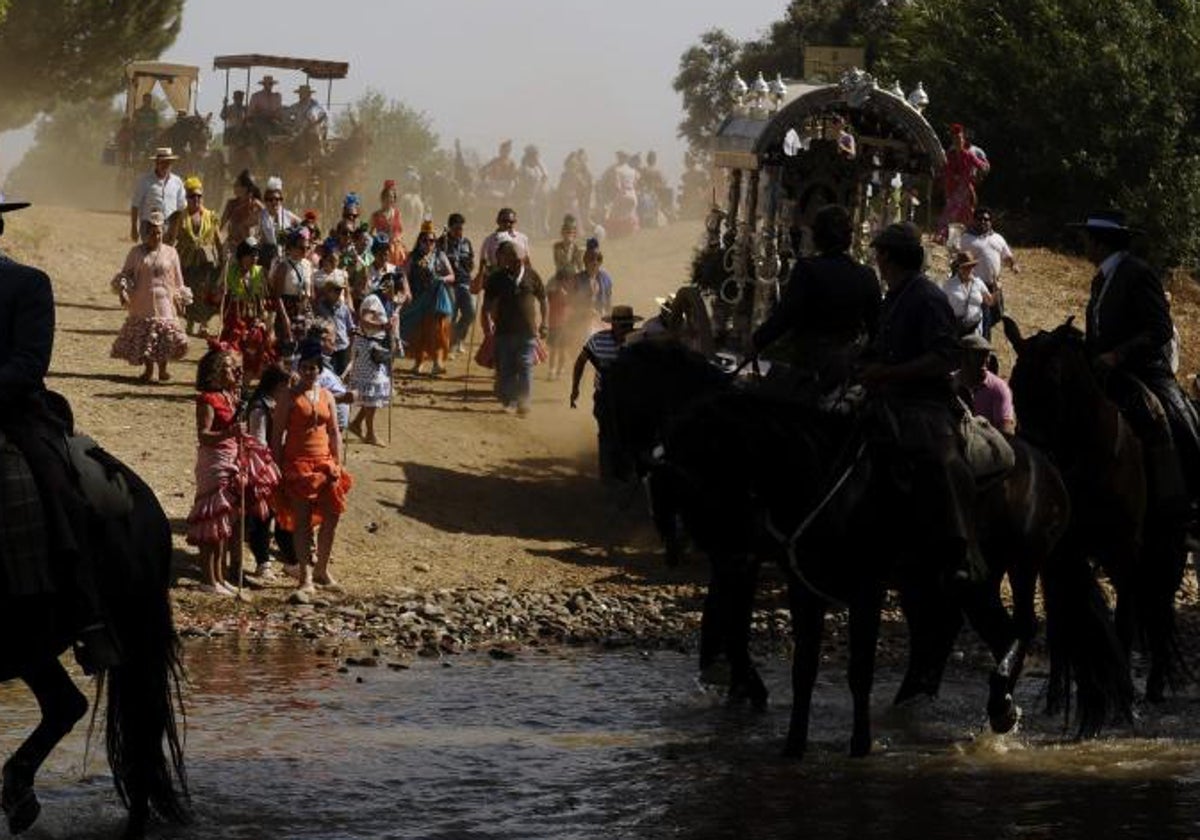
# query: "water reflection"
614,745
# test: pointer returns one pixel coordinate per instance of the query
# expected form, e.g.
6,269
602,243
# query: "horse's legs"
62,705
933,625
808,623
995,626
864,636
1167,555
735,579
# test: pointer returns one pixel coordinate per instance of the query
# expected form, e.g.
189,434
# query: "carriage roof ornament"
857,86
919,99
759,91
778,90
738,90
898,91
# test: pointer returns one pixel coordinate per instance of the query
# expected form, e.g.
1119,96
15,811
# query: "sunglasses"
274,198
194,196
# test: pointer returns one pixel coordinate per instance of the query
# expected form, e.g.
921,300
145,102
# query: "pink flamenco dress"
221,469
153,280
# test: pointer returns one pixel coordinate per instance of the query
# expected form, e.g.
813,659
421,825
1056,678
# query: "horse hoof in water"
1004,716
18,801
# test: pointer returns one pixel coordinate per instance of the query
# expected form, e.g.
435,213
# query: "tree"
705,74
72,50
1080,104
400,136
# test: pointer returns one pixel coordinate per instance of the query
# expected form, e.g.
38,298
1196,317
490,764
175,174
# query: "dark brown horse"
790,483
144,748
1060,404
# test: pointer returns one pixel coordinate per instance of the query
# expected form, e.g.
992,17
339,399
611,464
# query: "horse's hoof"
1006,720
22,808
860,747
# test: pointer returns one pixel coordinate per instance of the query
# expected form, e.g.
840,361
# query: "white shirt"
991,250
966,300
166,195
492,242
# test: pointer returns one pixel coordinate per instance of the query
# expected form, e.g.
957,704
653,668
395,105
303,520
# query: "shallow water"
615,745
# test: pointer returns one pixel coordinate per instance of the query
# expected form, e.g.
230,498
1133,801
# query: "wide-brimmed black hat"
9,206
1106,220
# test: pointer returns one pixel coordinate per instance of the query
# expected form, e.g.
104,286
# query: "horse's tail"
1083,646
144,740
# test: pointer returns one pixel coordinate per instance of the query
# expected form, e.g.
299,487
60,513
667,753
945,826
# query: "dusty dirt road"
464,494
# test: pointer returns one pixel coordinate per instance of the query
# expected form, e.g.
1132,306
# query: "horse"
1061,405
758,475
144,748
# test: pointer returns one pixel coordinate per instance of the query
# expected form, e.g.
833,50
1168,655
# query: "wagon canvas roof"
314,68
176,81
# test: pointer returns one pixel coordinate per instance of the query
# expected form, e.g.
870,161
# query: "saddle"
24,569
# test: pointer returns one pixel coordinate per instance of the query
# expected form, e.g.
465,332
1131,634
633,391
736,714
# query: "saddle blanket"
986,450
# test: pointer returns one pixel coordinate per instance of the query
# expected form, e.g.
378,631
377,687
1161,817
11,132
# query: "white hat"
164,153
274,184
371,312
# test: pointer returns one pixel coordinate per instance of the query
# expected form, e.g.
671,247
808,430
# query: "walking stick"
470,355
242,517
392,386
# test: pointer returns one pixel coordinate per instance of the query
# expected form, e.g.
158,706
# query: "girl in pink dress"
150,286
232,467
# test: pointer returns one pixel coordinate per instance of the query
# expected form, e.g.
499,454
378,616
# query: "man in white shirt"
160,191
991,249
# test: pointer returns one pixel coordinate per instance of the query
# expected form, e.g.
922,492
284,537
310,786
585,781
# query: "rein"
790,543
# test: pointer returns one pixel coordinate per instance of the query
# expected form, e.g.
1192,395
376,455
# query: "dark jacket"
26,329
829,296
916,319
1132,319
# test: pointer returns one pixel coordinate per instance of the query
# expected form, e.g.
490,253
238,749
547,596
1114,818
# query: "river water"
615,745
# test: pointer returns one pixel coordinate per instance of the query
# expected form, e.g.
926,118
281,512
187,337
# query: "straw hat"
622,314
164,153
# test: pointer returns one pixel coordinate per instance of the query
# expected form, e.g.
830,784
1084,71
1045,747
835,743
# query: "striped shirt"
602,349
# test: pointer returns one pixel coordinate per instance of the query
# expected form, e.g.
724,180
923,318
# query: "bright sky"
558,73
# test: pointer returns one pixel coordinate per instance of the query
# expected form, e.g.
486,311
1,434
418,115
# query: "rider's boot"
96,646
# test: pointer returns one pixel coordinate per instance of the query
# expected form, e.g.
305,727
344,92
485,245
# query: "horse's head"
1050,379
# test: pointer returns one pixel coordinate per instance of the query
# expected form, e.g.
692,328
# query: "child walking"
370,367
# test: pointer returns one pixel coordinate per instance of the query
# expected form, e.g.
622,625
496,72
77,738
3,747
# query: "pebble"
437,623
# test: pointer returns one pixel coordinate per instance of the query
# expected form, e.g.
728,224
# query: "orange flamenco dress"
310,472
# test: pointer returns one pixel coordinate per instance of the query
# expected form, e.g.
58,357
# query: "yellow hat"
193,185
427,226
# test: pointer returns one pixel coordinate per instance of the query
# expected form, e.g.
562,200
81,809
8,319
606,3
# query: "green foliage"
64,167
1080,104
72,50
400,136
705,73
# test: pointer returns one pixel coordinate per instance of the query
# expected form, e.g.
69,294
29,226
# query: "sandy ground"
464,494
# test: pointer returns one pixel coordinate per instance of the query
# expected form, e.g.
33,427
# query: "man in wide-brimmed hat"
33,424
160,190
1129,332
601,349
914,351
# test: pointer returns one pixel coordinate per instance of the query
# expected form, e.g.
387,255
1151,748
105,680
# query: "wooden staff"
470,354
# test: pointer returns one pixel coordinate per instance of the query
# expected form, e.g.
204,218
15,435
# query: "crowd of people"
304,328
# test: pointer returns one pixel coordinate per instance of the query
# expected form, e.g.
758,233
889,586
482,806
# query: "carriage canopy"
177,81
314,68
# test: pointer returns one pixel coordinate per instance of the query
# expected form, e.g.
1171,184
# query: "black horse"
143,743
1061,405
789,482
660,393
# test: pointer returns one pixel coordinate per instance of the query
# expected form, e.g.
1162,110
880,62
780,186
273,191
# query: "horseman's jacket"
26,328
1128,314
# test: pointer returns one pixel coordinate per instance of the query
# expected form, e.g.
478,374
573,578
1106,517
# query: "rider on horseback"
830,307
1129,330
912,356
34,423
